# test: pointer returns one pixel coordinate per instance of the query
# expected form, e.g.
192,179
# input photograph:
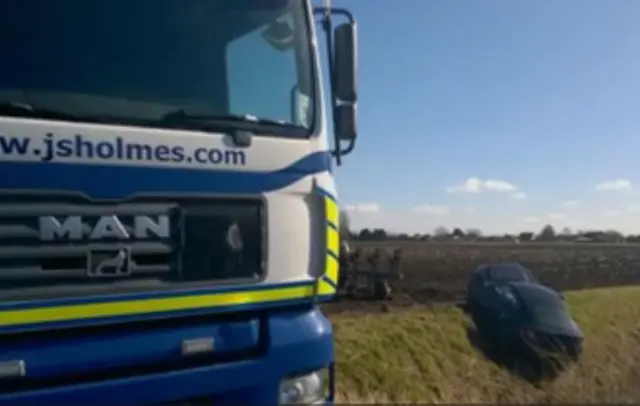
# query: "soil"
437,273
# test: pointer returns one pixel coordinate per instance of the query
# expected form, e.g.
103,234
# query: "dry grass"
425,356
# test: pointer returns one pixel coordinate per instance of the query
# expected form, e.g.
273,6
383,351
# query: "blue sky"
541,98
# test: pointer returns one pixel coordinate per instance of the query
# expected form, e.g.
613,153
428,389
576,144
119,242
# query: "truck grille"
62,247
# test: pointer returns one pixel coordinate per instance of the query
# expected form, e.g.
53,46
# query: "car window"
552,313
545,306
508,274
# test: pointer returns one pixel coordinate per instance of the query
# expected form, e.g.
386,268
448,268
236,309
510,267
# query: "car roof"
507,272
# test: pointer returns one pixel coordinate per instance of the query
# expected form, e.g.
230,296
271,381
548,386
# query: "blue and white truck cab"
168,214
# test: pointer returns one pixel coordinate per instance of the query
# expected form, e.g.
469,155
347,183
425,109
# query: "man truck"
168,214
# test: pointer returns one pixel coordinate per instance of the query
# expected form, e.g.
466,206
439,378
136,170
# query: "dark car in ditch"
516,314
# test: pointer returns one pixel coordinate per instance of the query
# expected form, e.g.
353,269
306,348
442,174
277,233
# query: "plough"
368,274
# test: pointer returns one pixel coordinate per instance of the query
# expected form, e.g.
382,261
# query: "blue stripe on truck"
119,181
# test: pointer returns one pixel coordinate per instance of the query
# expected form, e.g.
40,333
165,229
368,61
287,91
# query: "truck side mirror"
345,81
342,59
345,63
346,128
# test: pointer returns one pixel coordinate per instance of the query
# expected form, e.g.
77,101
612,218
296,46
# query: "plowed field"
438,272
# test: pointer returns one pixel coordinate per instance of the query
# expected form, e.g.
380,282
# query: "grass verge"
425,356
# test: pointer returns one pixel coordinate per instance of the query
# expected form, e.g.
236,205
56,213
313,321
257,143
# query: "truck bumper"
300,342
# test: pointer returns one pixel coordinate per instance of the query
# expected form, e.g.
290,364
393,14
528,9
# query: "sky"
496,114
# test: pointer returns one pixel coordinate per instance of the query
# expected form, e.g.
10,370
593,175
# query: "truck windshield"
136,61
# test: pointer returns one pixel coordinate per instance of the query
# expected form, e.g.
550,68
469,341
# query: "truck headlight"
305,389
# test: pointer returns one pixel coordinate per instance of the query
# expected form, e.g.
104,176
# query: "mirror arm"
326,14
338,11
349,148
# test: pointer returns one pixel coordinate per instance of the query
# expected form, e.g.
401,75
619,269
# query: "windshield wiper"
240,128
13,108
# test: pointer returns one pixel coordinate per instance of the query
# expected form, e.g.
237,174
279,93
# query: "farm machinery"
368,274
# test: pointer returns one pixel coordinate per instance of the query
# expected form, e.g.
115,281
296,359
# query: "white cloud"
519,195
471,185
476,185
616,185
634,207
471,209
611,213
499,186
556,216
432,209
363,208
570,203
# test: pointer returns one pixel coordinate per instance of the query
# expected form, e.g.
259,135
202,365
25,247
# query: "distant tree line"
547,234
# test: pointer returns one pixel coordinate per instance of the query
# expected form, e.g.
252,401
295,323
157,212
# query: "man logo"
78,228
109,263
